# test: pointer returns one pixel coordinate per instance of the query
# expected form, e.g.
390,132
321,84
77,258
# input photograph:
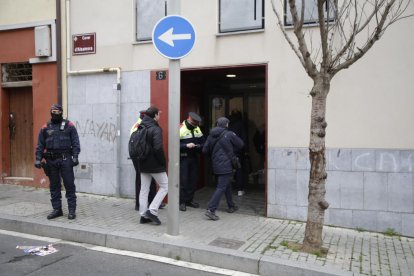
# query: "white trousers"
162,180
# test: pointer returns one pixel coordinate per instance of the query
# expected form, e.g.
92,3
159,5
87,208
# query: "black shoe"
55,213
211,215
152,217
232,209
144,220
71,215
182,207
162,206
193,204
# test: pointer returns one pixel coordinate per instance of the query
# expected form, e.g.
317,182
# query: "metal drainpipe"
118,88
59,50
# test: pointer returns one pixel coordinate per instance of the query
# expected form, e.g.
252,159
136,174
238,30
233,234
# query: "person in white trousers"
154,165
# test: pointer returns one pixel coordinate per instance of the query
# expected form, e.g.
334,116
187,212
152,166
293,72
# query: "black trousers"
223,187
59,169
153,186
241,174
188,178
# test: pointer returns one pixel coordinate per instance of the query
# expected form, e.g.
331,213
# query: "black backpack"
138,146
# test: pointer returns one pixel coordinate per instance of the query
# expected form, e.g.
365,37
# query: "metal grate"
227,243
16,72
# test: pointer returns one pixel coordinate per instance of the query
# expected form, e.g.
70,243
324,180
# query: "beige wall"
23,11
370,104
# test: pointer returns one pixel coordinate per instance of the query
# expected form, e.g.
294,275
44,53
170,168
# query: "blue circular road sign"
173,36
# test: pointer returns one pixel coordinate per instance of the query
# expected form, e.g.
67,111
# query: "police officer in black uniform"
58,144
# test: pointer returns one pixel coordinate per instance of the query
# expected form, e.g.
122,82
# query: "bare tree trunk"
316,198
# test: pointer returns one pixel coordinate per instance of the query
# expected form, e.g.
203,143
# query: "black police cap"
194,116
56,107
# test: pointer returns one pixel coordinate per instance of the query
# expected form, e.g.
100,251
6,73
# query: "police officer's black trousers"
188,178
62,169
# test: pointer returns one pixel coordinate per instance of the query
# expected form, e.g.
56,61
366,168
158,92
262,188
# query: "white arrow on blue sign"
173,36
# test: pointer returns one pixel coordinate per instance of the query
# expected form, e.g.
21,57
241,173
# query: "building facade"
370,145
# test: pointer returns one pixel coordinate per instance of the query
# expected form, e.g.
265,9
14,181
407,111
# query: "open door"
217,92
21,132
251,106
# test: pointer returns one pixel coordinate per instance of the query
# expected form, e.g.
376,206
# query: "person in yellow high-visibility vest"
191,143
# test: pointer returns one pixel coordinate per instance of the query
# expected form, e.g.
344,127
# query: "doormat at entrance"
226,243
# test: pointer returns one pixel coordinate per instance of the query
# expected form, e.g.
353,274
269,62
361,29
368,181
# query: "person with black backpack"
135,162
152,163
221,145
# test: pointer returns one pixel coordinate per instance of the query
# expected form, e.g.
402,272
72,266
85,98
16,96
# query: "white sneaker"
240,193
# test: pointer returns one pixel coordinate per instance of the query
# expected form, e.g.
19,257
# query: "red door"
21,132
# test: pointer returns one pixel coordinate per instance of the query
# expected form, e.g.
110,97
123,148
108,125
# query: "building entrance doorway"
238,93
20,125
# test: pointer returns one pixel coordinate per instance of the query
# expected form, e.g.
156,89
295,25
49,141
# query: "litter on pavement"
38,250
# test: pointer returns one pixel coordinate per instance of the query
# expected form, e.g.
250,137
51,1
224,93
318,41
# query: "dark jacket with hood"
223,150
155,162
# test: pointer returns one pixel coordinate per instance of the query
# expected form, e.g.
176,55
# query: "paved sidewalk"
240,242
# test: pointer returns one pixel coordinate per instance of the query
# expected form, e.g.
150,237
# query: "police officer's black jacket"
222,151
54,139
155,162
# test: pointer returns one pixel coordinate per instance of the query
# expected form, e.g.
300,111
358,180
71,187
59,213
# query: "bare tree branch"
309,65
289,41
326,55
348,43
371,41
341,42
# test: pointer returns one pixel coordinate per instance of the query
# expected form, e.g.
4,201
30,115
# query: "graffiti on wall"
102,130
385,161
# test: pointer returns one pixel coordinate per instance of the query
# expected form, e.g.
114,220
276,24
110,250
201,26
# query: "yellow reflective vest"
135,126
185,133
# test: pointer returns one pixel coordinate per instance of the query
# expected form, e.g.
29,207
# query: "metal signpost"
173,37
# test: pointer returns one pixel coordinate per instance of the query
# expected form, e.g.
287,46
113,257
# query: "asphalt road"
80,259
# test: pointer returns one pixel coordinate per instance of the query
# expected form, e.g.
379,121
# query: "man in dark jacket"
153,166
221,145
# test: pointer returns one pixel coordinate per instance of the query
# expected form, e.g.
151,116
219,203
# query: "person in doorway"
221,145
58,143
259,140
135,162
236,125
153,166
191,143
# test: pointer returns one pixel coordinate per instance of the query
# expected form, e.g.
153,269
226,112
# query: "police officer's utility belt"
186,154
56,155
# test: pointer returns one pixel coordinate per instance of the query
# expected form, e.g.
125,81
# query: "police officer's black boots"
72,214
55,213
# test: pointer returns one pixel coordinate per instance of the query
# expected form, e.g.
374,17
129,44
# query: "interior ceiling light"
230,75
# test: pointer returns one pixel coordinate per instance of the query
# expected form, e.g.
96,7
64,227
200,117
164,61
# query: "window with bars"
148,13
311,11
240,15
16,72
